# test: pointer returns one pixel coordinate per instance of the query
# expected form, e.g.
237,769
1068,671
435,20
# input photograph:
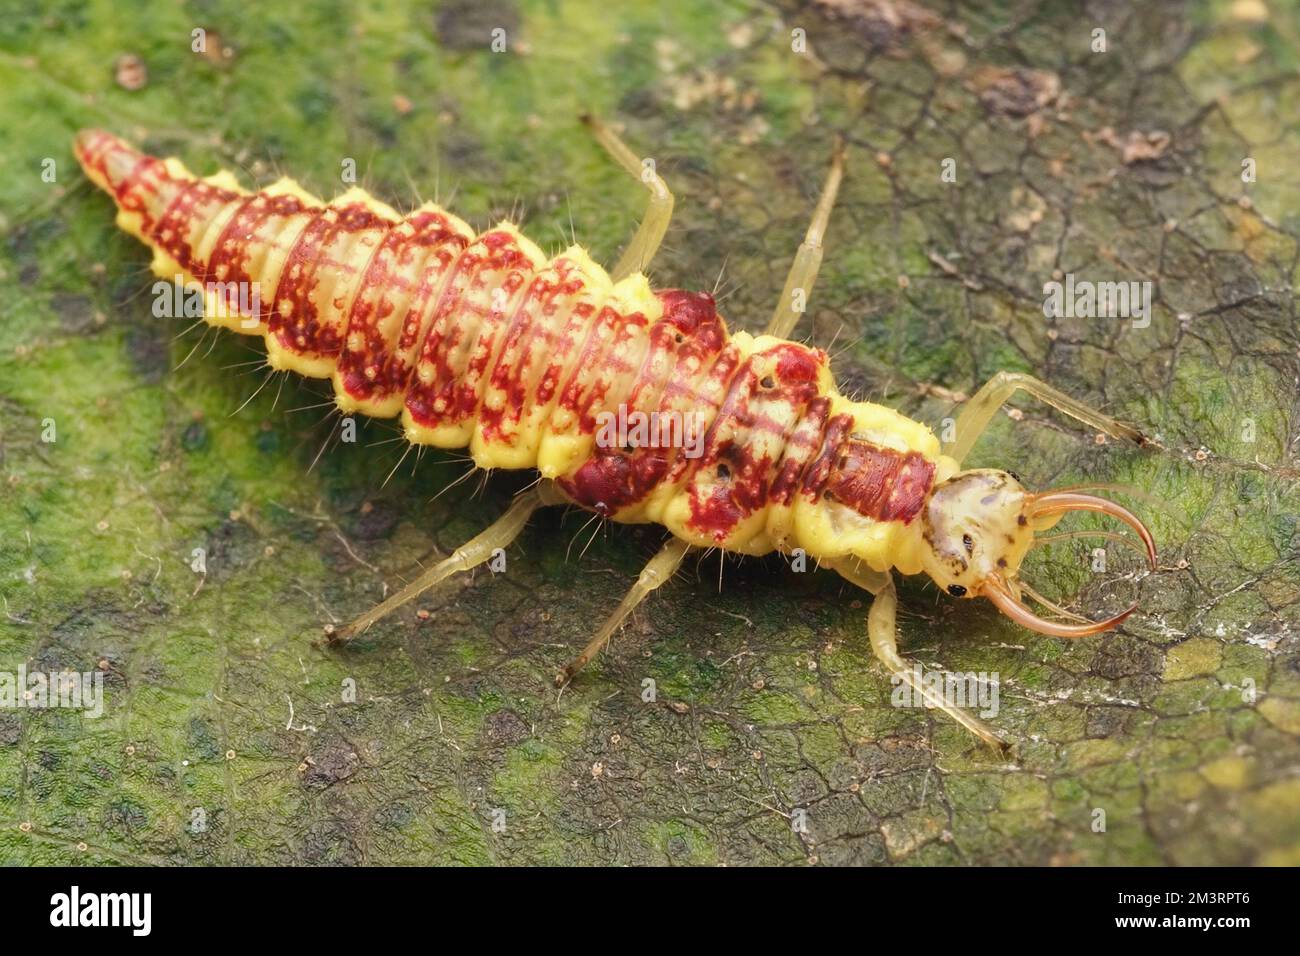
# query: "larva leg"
882,629
803,271
659,211
974,416
472,553
660,568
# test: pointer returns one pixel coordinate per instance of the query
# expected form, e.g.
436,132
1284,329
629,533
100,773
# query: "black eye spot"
1002,562
724,473
1022,520
768,382
968,544
956,590
680,338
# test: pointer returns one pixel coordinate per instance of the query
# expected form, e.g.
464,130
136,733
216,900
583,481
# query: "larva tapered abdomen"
480,341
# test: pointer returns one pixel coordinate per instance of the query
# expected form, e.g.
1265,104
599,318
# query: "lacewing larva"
480,341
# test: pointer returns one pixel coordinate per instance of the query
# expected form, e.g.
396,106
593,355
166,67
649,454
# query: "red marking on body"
613,478
133,190
293,294
797,366
588,356
880,483
404,274
694,316
462,338
139,183
598,365
319,255
613,368
704,398
730,500
766,402
468,389
684,343
248,233
689,333
564,346
183,219
527,334
819,469
803,444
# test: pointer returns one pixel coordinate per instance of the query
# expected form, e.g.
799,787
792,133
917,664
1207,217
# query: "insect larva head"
977,528
974,526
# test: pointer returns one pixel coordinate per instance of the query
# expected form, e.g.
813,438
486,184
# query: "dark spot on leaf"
1105,721
504,728
330,843
147,347
195,437
332,760
1014,91
374,522
268,441
11,729
124,816
468,24
1123,656
76,313
394,816
315,103
202,741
